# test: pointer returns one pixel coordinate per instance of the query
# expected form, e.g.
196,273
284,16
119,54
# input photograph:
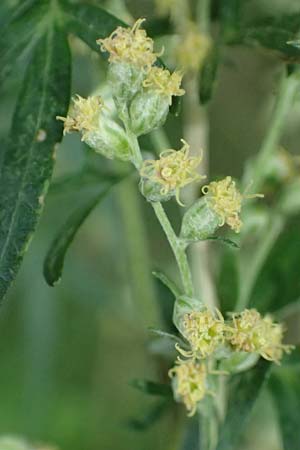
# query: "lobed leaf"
28,157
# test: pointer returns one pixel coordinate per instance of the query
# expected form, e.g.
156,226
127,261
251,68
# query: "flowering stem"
137,158
177,247
287,89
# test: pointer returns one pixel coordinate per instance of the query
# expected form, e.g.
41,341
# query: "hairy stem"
177,247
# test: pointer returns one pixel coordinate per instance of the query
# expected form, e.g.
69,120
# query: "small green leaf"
167,282
28,158
90,23
285,387
152,388
224,240
164,334
244,390
208,75
54,260
150,417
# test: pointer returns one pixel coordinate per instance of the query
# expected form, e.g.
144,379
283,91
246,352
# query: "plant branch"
177,247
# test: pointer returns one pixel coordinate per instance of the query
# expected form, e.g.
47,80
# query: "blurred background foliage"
69,352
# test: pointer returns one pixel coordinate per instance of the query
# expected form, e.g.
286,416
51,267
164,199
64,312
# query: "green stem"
137,158
252,268
203,15
177,247
286,94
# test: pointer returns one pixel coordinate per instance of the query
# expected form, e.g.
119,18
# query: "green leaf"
90,23
150,417
228,279
165,280
208,75
244,390
224,240
28,158
278,284
54,261
285,387
20,35
152,388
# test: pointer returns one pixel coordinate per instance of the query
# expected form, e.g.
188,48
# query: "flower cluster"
224,198
83,116
173,170
252,333
164,83
193,49
189,383
204,330
209,335
131,45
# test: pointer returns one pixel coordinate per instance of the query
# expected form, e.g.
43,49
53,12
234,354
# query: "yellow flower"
173,170
205,332
252,333
131,45
164,83
193,49
189,383
84,115
226,201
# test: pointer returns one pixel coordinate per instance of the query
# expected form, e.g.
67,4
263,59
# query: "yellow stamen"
250,332
173,171
84,115
189,383
164,83
204,331
130,45
226,201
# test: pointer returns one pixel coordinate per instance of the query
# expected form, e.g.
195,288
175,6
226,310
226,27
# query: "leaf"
19,35
54,260
165,280
285,387
90,23
150,417
228,279
208,75
28,159
166,335
152,388
244,390
278,284
224,240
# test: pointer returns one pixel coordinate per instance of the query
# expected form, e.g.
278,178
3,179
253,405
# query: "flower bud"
237,362
199,222
222,204
98,130
131,55
172,171
150,107
189,382
185,305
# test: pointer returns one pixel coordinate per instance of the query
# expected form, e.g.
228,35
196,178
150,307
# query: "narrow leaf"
54,260
165,280
150,417
28,159
152,388
243,393
224,240
285,387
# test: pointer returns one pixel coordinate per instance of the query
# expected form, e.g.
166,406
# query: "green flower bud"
153,191
98,130
236,362
125,80
199,222
185,305
148,111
